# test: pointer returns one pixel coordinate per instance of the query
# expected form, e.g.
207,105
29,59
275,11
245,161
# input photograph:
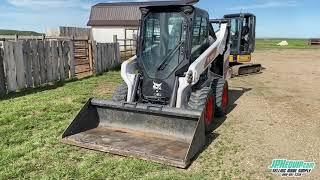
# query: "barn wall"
105,34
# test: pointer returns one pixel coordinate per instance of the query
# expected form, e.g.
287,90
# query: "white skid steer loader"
172,90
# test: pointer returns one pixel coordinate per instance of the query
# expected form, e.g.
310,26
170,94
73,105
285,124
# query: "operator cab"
242,33
171,38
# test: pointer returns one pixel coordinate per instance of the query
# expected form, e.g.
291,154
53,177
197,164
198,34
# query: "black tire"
218,87
198,101
121,92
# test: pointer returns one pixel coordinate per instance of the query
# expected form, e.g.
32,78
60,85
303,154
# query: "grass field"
293,44
31,125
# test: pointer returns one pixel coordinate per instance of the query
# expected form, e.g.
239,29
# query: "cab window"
200,36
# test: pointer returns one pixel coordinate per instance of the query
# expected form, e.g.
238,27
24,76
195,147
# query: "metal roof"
102,15
125,13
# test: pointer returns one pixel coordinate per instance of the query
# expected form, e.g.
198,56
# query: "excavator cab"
242,36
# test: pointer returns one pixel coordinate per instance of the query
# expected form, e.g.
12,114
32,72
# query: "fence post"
10,66
61,62
95,57
35,63
99,58
112,53
48,56
90,56
3,89
118,58
115,38
108,54
18,55
42,61
27,56
71,60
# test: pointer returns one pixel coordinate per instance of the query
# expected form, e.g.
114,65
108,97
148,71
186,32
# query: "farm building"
109,19
121,19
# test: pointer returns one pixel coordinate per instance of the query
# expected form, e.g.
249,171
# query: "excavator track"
246,69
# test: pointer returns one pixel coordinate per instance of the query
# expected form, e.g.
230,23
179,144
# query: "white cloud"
36,4
264,5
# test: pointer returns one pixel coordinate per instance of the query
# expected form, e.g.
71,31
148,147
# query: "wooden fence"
3,89
106,56
75,32
31,63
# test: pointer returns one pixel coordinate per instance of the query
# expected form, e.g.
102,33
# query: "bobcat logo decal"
157,87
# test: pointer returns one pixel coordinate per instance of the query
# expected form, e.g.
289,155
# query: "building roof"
125,13
106,15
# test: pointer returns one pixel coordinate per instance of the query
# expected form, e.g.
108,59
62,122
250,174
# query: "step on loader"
172,91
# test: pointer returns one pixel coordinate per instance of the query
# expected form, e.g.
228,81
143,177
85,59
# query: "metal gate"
82,57
128,45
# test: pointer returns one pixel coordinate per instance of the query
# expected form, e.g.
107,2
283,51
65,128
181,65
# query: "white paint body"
201,64
128,74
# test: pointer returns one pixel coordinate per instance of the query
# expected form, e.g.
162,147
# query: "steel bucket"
166,135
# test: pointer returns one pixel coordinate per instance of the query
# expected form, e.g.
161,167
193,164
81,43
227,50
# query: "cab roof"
239,15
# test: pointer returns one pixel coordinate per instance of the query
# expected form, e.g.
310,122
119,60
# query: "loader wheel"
221,92
121,92
203,100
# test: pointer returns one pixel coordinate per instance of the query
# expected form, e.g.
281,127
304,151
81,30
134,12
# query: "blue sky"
276,18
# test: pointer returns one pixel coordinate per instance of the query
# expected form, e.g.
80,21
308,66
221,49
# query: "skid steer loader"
172,91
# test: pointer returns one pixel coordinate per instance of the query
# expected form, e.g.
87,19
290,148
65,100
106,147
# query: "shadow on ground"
234,95
30,91
45,87
49,86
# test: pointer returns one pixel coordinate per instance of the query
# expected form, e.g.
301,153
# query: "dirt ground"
275,114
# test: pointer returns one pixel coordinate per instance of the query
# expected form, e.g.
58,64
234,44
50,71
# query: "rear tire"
220,88
121,92
201,100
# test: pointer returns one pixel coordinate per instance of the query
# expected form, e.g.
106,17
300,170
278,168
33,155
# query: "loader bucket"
166,135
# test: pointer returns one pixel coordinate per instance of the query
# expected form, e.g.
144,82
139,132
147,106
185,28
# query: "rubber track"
218,86
198,99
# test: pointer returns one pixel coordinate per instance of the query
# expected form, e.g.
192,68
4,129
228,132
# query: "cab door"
247,35
242,33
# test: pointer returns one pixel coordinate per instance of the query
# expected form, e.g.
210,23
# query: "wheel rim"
225,97
208,116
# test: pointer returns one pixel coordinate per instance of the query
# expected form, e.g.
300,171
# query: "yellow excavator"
242,42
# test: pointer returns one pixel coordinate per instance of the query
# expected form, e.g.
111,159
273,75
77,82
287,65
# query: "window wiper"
164,63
